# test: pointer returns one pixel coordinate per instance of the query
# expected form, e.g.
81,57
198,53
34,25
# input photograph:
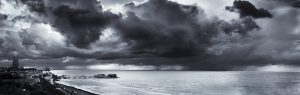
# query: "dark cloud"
297,4
64,28
245,8
293,3
169,29
82,26
241,26
159,33
269,45
153,33
80,20
3,17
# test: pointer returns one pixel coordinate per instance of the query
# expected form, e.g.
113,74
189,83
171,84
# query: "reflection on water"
188,83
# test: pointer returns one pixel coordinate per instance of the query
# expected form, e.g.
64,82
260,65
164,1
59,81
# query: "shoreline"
70,90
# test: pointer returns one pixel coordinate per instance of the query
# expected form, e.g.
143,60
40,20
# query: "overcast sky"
151,34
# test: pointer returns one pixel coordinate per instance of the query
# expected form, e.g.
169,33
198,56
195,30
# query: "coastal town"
18,80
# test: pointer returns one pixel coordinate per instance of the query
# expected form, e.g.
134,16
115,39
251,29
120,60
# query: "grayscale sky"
151,34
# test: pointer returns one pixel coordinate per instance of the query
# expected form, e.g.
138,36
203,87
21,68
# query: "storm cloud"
80,21
152,33
168,29
246,8
82,26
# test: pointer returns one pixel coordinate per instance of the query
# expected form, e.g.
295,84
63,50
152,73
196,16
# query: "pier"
98,76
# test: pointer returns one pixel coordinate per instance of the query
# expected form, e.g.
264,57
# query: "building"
3,69
15,64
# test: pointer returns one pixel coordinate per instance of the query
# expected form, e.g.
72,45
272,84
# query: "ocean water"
187,83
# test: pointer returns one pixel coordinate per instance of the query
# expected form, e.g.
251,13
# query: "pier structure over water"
97,76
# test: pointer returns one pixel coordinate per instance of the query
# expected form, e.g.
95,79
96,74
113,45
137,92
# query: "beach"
69,90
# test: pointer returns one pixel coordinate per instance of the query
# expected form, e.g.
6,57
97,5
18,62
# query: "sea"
186,82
